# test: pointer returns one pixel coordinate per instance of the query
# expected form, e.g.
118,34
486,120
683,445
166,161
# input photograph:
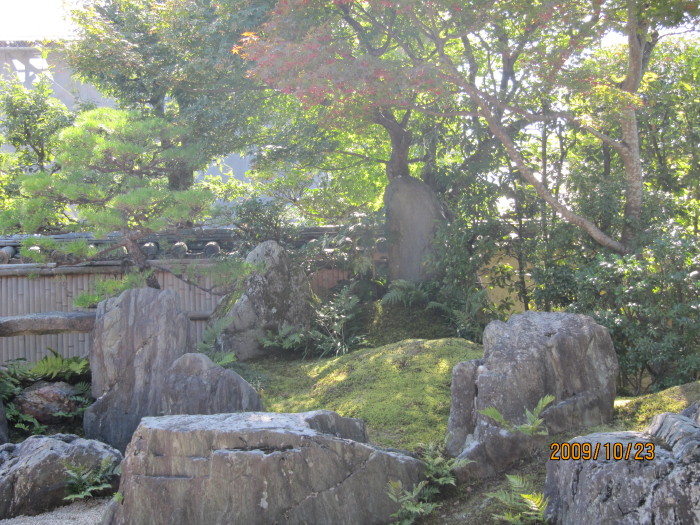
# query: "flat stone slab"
257,468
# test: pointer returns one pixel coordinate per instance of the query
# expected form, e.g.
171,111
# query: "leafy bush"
650,302
256,221
106,288
333,332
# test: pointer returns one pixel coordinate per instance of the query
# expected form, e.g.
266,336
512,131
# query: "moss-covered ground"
402,391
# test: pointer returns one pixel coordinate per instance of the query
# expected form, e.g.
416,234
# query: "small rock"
43,399
33,475
195,385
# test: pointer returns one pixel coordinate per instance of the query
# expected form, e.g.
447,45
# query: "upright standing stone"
534,354
138,335
412,215
277,293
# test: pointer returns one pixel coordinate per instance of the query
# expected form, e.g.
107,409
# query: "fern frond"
493,413
542,404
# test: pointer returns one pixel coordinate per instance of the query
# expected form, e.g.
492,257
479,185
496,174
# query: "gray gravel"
87,512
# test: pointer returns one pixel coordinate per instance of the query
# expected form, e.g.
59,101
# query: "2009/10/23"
637,451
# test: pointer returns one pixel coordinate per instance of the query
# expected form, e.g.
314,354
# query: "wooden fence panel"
35,290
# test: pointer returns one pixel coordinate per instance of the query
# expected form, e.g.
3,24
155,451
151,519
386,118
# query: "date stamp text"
636,451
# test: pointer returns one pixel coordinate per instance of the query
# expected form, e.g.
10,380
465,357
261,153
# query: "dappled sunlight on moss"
637,412
401,390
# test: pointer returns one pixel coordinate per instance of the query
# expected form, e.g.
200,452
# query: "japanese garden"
352,262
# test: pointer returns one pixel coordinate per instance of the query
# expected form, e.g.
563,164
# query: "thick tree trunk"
180,178
634,178
47,323
139,260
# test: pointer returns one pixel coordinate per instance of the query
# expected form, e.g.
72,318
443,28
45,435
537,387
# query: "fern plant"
83,482
55,366
82,397
439,472
523,504
533,424
22,421
406,293
411,504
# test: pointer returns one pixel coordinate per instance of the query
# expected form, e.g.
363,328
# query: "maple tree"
332,57
511,66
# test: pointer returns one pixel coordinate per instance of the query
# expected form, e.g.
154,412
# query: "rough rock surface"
195,385
43,399
4,432
46,323
138,335
279,294
534,354
665,489
33,473
257,468
413,212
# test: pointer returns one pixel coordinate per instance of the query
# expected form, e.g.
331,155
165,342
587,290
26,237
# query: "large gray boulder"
660,485
534,354
277,293
138,335
33,475
195,385
257,468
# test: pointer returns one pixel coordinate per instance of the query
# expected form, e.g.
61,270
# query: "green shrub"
650,302
106,288
333,332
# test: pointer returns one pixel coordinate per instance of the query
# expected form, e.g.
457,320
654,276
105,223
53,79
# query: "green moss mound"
400,390
384,324
636,413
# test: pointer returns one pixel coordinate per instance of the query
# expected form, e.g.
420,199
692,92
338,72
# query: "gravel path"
79,513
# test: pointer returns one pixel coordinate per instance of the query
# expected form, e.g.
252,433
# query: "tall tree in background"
172,60
30,120
513,66
351,58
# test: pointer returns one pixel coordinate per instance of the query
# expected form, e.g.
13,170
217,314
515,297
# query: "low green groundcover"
401,390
